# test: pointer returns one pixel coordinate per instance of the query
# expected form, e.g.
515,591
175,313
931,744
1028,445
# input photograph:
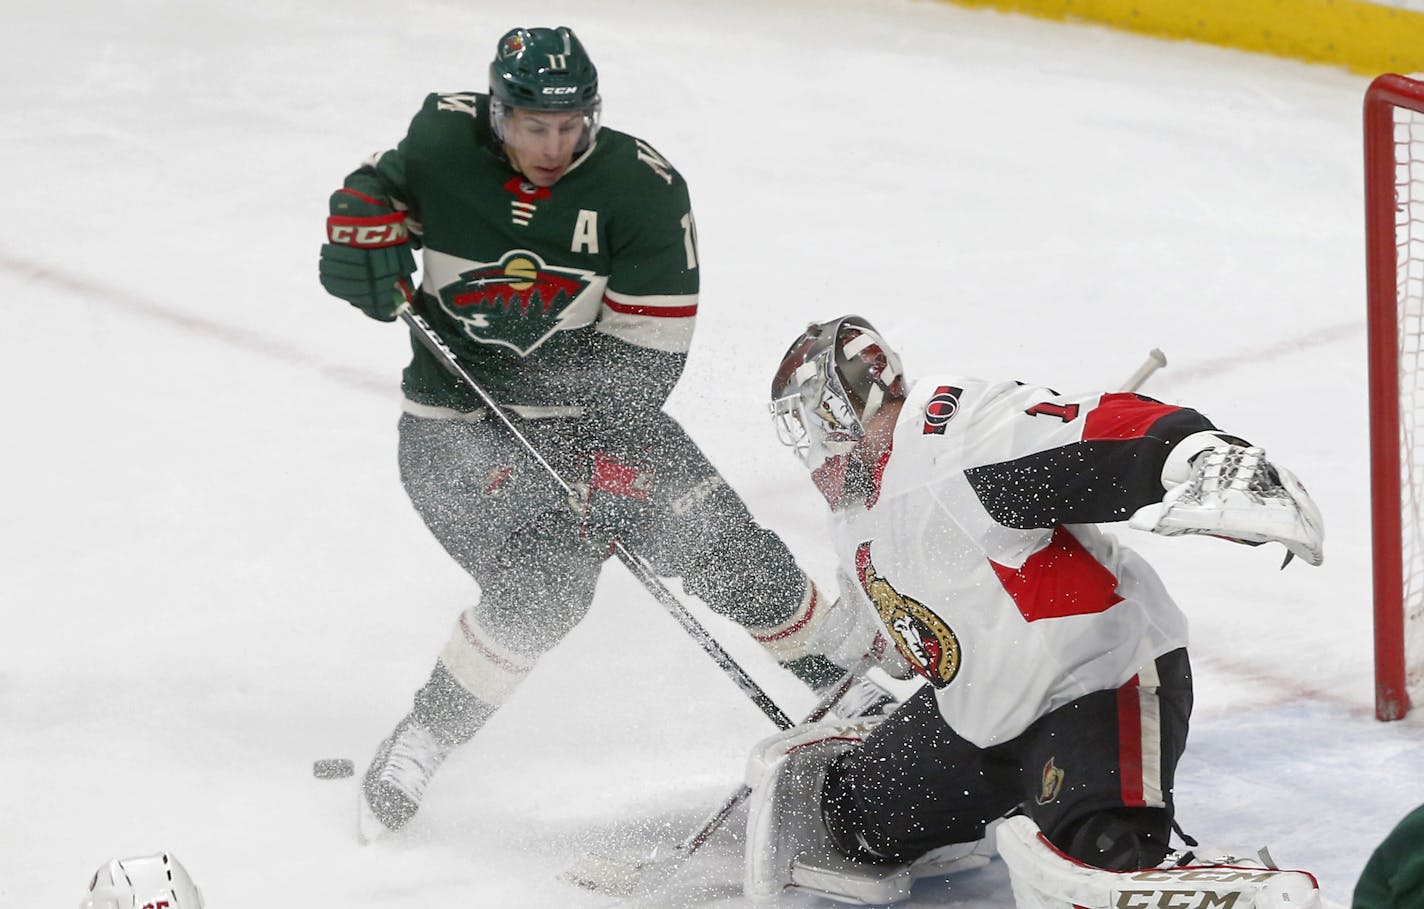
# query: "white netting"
1409,242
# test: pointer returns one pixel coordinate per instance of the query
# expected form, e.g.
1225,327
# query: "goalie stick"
1155,361
431,340
639,875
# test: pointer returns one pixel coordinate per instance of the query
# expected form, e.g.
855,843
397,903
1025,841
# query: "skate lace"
414,756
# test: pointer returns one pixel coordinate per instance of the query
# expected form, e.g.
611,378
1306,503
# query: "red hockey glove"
367,255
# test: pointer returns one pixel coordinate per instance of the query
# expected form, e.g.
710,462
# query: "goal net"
1394,203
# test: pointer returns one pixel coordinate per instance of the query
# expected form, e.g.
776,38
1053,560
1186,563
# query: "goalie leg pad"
777,745
1044,878
787,842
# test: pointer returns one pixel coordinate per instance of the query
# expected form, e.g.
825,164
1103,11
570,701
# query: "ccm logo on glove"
369,232
366,260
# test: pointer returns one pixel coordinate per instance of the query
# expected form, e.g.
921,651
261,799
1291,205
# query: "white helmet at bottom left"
147,882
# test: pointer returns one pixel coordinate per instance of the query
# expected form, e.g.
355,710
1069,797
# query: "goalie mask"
136,883
544,69
830,383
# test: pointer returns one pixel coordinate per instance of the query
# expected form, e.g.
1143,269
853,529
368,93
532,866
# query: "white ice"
209,573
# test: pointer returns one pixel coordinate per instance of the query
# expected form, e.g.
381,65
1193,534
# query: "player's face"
541,144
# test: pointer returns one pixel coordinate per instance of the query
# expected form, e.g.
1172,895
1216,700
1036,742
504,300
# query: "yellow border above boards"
1366,38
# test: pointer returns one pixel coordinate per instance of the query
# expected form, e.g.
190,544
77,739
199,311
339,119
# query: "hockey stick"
626,876
1155,361
431,340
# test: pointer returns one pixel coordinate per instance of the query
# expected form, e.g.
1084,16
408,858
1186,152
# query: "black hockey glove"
367,255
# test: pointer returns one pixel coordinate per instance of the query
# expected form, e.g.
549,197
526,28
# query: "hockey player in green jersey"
560,265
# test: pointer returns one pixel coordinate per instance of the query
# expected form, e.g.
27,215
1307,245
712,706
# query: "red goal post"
1394,236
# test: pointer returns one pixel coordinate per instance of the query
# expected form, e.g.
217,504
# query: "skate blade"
368,827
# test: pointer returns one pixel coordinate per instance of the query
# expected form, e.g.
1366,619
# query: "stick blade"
623,876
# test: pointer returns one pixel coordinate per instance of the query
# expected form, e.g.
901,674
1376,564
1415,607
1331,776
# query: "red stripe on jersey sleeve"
661,312
1123,415
1129,743
1062,579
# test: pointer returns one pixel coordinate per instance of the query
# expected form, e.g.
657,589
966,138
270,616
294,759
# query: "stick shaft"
1155,361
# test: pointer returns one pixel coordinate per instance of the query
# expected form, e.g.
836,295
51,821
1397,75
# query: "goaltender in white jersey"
966,513
965,590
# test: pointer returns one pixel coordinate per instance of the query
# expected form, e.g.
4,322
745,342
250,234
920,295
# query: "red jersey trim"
1129,743
1061,579
1122,415
661,312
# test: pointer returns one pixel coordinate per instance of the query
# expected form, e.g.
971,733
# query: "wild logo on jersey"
517,302
923,639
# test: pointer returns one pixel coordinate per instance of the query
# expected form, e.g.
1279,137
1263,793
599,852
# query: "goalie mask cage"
1394,232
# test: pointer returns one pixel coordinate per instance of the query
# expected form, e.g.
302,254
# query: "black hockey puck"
333,768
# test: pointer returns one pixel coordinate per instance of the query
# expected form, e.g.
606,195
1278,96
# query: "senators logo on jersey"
941,408
1052,783
516,303
923,639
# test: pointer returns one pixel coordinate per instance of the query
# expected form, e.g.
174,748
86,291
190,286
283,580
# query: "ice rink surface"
210,576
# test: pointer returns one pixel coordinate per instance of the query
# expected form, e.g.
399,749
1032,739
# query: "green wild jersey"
582,293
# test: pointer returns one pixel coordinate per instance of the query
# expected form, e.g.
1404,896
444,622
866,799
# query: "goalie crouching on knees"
1059,687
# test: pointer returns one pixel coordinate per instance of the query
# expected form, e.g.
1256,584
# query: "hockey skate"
396,780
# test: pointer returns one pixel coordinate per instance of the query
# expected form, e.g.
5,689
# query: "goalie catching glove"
1227,490
367,260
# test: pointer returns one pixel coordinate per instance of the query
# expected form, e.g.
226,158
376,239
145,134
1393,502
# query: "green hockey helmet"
543,69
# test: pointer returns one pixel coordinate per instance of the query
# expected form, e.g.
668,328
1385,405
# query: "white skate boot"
396,780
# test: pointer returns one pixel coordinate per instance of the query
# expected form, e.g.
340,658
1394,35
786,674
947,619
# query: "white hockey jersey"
977,544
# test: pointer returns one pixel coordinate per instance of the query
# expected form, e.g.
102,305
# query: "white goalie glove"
1232,491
